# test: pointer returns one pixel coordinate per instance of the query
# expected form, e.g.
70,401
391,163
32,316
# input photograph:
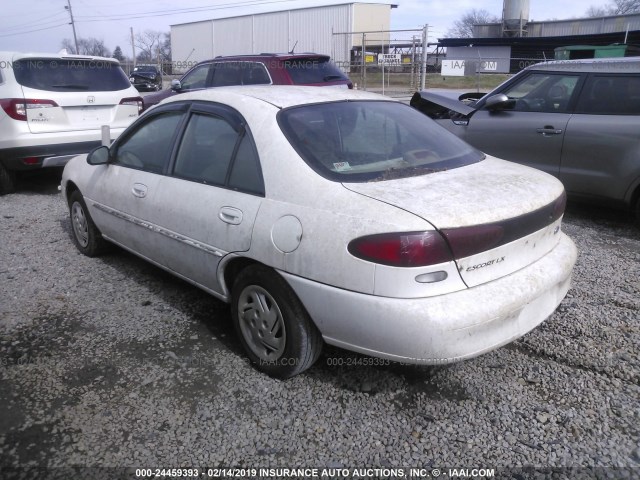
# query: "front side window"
77,75
372,140
149,147
543,92
196,78
610,95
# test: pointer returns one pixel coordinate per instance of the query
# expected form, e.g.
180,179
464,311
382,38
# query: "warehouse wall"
278,32
371,17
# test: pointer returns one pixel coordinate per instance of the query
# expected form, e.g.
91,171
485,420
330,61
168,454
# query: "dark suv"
146,77
263,69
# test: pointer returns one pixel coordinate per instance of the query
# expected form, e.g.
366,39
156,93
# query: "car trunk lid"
497,217
79,111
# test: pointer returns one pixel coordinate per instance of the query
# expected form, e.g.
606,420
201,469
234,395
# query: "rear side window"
58,75
360,141
206,150
211,147
313,70
254,73
228,73
610,95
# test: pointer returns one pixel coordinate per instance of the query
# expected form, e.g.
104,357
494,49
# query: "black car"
146,77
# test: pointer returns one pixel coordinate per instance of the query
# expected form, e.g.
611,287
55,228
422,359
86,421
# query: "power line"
31,25
162,13
32,31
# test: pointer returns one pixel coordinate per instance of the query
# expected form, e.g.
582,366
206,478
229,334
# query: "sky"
42,25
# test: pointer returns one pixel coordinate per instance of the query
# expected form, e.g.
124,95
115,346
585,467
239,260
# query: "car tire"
86,236
273,326
7,180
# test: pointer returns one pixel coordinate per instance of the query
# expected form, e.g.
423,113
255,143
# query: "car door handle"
549,130
139,190
230,215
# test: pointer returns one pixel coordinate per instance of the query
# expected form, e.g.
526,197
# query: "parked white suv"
53,107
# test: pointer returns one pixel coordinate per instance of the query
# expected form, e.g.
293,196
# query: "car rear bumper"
445,328
44,155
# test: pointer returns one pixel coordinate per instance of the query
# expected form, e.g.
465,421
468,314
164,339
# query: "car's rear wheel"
274,328
86,236
7,180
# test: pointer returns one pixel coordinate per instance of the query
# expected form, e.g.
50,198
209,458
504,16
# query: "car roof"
280,96
65,56
265,56
601,65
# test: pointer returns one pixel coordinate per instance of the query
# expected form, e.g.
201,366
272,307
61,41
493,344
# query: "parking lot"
111,362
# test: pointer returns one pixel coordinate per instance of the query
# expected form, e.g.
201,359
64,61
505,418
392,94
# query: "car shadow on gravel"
620,221
40,182
342,369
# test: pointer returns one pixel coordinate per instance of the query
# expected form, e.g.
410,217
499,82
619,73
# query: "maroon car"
263,69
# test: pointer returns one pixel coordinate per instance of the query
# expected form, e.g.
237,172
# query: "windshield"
358,141
77,75
145,69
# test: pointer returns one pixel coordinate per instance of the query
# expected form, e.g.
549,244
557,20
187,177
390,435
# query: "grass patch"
404,81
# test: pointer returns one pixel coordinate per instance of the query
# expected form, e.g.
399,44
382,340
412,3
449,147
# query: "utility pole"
133,47
73,26
423,69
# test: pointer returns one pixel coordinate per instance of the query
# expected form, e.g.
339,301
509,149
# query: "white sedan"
334,216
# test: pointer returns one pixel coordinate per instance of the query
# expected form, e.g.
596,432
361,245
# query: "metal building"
302,30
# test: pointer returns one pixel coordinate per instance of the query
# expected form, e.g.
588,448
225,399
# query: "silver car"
577,120
326,215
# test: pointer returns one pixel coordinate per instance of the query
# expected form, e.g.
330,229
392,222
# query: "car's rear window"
357,141
70,75
304,71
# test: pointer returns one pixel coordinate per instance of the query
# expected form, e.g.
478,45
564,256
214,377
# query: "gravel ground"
111,362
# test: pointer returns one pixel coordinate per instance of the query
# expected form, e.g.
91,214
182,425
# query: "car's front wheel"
7,180
86,236
274,328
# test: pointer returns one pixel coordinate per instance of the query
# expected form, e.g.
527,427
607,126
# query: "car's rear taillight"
17,108
32,160
133,101
419,249
403,249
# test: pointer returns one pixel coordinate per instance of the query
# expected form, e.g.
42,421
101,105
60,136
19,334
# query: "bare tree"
87,46
463,28
154,46
594,11
615,7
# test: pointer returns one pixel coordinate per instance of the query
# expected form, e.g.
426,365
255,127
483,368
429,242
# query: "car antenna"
294,47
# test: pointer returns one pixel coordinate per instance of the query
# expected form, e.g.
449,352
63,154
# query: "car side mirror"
499,102
98,156
176,86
